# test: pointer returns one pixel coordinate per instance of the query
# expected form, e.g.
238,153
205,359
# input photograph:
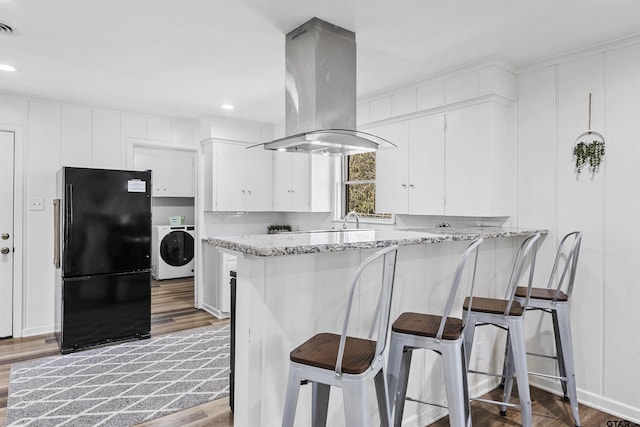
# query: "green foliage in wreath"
591,152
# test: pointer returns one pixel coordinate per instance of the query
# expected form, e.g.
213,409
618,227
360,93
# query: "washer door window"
176,249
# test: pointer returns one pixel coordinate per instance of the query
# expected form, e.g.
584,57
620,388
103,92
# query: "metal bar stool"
553,300
343,361
506,314
442,334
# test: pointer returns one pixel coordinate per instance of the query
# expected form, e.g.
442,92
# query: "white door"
6,234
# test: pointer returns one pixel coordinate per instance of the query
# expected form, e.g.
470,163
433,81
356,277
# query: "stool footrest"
411,399
492,324
491,374
539,374
497,402
543,355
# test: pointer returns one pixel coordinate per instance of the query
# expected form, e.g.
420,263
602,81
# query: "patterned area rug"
121,385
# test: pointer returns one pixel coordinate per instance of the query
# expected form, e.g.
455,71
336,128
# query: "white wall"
60,134
553,110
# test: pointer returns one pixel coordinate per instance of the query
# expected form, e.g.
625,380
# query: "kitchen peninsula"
292,285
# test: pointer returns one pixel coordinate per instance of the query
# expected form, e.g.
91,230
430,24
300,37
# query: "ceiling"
184,58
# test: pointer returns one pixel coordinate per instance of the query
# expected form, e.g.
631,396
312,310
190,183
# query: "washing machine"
172,249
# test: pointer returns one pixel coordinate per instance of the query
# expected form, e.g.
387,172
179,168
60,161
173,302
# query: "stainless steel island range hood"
320,86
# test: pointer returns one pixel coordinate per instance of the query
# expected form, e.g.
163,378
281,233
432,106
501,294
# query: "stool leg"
383,398
396,345
517,340
507,372
356,404
454,373
567,354
465,380
291,398
560,356
319,404
401,386
469,331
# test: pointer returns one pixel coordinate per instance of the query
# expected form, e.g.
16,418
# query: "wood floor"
172,311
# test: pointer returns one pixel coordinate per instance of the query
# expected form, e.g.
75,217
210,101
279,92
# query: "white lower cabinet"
302,182
237,178
457,163
173,171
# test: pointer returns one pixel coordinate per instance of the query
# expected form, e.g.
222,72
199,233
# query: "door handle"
4,250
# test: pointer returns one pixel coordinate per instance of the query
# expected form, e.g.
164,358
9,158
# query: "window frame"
344,183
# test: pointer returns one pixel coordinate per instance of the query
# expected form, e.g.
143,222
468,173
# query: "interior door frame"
131,144
19,231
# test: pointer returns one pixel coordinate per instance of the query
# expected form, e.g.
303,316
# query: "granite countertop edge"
245,245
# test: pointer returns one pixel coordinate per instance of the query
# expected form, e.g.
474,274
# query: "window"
360,185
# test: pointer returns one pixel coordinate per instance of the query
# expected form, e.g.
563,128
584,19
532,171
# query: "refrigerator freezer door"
101,309
107,221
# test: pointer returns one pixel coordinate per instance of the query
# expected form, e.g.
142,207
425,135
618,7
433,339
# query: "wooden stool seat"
541,293
321,351
426,325
493,306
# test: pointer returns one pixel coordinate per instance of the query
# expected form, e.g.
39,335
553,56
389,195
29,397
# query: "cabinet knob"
243,192
404,185
411,186
4,250
249,192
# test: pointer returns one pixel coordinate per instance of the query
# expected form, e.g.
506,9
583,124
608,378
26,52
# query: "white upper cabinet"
426,169
480,160
457,163
237,178
410,178
392,168
173,171
301,182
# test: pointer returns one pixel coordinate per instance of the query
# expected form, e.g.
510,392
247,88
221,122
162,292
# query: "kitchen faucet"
346,219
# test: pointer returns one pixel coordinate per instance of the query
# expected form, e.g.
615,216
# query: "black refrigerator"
102,254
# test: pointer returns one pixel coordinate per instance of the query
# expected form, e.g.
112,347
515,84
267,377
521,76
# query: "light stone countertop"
304,242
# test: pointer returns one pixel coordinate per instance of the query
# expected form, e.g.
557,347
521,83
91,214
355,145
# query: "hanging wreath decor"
589,152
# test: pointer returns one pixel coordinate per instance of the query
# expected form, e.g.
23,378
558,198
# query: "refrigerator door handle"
56,233
68,206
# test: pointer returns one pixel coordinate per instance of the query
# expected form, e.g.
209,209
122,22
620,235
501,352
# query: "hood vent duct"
320,85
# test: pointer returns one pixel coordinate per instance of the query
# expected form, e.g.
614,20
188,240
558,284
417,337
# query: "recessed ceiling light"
7,67
227,107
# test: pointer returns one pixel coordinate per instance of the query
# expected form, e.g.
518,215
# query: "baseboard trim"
593,400
29,332
215,312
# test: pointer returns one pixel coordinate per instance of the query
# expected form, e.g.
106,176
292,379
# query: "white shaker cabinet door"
150,159
258,175
300,182
426,165
178,174
480,159
282,163
229,177
392,175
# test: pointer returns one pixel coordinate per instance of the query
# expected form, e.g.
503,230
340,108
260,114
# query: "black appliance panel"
100,309
107,221
176,248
